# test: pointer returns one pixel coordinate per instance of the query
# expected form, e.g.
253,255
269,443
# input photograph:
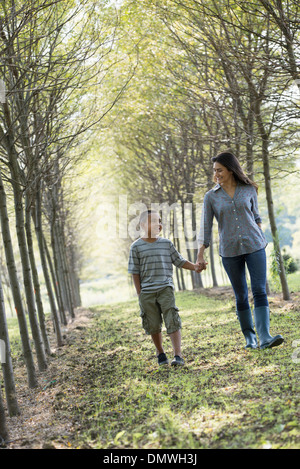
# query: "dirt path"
39,426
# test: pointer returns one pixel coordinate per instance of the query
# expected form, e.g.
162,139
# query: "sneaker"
162,359
177,360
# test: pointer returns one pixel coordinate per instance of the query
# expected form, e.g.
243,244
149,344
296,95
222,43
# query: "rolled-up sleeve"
254,208
206,222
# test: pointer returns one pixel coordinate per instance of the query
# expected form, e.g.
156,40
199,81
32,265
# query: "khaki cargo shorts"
157,307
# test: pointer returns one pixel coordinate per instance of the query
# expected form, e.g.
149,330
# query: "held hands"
200,265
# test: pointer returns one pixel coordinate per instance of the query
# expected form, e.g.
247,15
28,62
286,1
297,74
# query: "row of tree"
213,75
53,60
200,76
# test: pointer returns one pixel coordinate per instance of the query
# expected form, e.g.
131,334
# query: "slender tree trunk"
35,278
56,284
27,278
212,262
177,246
14,282
72,269
40,238
191,253
198,277
59,270
6,362
6,287
187,241
267,177
65,269
74,278
3,427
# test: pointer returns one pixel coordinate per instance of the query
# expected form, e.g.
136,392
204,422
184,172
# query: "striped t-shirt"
154,263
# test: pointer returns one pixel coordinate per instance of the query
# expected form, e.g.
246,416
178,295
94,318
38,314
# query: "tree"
245,53
52,66
284,15
3,427
6,362
14,282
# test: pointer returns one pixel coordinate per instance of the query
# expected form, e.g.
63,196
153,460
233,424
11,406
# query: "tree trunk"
27,279
59,270
212,262
40,238
267,177
75,284
197,276
35,278
65,268
191,252
14,282
177,246
6,362
3,428
250,138
57,286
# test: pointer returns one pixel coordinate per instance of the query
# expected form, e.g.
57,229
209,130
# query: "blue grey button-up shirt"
237,218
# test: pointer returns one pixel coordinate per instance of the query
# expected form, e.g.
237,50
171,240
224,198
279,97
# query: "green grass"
224,397
293,282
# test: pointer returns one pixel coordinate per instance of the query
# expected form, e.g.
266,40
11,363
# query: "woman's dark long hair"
231,162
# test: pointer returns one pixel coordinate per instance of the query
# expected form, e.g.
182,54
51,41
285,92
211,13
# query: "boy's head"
150,222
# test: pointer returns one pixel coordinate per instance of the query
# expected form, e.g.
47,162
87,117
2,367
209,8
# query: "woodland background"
106,101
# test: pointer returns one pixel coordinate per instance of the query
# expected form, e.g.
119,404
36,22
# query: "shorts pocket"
143,316
172,320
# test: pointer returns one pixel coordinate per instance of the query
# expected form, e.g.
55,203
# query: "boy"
150,263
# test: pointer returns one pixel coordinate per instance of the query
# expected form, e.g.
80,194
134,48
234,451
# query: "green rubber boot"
247,326
262,324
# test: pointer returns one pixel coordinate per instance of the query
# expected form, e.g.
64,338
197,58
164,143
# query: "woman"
233,201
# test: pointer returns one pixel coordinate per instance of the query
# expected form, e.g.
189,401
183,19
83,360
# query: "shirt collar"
219,187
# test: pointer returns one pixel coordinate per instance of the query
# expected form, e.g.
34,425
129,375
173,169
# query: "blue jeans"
257,267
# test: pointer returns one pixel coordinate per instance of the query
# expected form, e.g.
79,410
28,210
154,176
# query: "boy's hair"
144,215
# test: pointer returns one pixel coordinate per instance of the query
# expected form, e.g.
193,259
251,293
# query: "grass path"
105,390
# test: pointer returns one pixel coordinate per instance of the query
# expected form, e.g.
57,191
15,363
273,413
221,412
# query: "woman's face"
222,174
